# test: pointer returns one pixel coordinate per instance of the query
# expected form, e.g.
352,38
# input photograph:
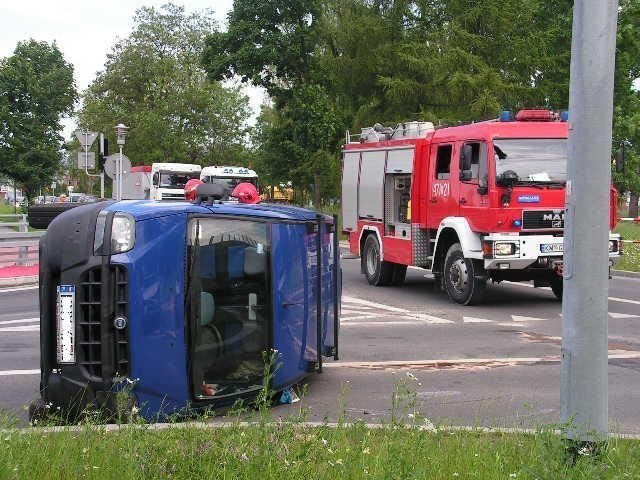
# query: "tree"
36,90
153,82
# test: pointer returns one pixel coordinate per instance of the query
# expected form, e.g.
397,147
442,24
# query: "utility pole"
584,390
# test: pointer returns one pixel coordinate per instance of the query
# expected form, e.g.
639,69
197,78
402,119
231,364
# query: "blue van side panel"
157,323
294,312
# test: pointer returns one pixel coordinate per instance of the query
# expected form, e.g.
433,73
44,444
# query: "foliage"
36,89
153,82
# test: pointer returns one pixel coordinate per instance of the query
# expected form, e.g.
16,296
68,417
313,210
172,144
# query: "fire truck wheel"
460,278
556,287
377,271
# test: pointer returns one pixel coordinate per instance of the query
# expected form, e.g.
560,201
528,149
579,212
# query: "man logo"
553,217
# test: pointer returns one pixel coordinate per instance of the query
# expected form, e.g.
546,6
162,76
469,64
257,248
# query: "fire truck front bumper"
536,252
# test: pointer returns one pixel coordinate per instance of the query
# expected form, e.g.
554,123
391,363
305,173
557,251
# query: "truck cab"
470,203
228,177
168,180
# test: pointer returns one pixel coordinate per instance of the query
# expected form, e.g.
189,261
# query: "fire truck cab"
468,203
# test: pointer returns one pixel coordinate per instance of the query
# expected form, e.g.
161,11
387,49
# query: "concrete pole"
584,391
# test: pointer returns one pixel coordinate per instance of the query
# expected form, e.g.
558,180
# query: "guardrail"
19,248
21,221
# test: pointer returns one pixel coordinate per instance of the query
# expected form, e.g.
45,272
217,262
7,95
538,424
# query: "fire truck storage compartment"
398,193
370,194
350,171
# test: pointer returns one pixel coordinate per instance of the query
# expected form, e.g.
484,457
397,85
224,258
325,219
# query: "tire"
378,272
557,287
40,216
461,278
399,274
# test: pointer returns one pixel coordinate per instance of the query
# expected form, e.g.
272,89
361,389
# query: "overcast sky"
85,30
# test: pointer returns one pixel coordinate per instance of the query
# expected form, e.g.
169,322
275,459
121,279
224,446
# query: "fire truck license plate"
66,324
551,247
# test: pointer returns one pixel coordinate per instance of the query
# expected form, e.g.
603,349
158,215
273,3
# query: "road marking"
24,320
18,289
518,318
7,373
475,320
622,315
382,323
455,362
431,319
624,300
367,303
22,328
357,317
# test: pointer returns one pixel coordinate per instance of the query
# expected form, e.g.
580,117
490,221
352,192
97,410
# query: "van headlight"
123,233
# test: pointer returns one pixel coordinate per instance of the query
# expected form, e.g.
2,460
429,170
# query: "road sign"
86,139
86,160
111,164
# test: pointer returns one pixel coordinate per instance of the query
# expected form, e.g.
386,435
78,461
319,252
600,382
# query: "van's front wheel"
461,278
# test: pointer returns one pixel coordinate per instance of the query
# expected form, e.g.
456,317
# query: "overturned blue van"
180,301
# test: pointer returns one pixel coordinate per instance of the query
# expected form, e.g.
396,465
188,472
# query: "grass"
294,451
631,259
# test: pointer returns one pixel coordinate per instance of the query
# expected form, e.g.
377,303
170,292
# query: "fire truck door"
443,192
474,177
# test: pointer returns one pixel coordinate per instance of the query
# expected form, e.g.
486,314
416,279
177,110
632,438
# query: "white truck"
228,177
160,181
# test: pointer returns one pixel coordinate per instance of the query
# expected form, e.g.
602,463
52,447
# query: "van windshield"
229,305
230,182
534,160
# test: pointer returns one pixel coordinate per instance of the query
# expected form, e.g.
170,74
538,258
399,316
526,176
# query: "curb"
625,273
19,281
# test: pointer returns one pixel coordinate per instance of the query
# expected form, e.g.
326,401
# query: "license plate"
551,248
65,350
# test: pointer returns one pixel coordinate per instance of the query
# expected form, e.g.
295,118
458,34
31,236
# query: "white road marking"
367,303
22,328
24,320
382,323
7,373
18,289
624,300
518,318
475,320
464,361
357,317
431,319
622,315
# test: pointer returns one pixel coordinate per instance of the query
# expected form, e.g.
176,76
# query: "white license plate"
66,352
551,248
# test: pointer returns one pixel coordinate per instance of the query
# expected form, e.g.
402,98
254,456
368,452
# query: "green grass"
290,451
631,259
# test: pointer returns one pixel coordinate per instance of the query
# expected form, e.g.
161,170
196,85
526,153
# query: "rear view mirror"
253,302
467,154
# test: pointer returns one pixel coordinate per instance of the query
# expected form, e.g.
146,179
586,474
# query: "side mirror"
156,179
483,190
466,175
508,178
467,154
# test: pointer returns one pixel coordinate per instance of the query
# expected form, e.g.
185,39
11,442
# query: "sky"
85,31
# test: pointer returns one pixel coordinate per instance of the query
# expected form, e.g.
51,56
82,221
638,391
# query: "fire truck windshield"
176,179
534,160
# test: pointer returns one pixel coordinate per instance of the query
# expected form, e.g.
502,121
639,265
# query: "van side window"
443,162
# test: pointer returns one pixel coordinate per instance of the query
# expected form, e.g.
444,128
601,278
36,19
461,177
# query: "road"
495,364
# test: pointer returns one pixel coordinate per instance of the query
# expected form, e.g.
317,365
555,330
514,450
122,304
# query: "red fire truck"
470,203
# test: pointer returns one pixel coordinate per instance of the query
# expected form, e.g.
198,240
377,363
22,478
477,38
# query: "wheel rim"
372,261
459,276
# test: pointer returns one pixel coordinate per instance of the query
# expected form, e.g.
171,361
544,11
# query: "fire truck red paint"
470,203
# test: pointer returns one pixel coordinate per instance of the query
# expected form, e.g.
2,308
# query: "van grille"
90,326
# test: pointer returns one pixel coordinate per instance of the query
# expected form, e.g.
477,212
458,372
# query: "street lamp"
121,132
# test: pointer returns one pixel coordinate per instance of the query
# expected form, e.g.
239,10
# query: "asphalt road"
495,364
